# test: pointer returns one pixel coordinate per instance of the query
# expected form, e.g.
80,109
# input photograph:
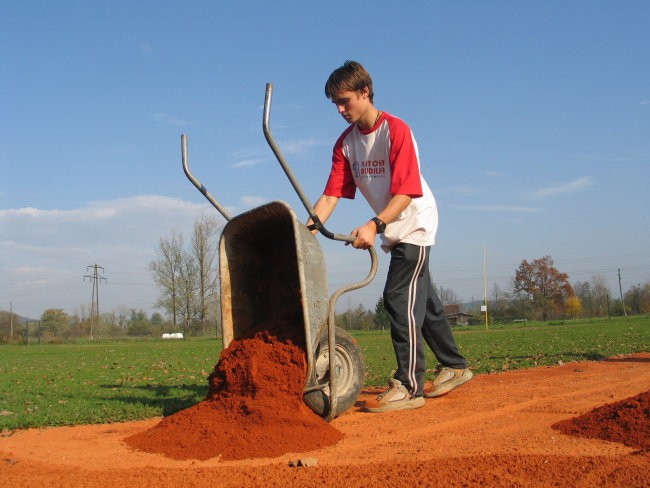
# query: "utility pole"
484,308
94,304
11,320
620,289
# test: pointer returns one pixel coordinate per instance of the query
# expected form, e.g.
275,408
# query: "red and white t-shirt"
383,162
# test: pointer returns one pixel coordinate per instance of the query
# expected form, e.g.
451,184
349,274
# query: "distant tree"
188,277
583,291
9,323
204,250
381,316
157,319
357,319
600,291
594,295
638,298
366,318
547,287
80,321
573,307
448,296
54,321
138,324
500,306
166,271
121,316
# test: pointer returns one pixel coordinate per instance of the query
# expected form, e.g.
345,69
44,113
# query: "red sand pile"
627,422
254,409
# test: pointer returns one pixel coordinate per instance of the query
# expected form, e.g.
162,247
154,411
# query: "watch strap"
380,224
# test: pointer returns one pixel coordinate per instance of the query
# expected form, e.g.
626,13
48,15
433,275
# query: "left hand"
365,236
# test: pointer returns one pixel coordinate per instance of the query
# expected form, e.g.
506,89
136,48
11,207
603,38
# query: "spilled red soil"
254,409
495,431
627,422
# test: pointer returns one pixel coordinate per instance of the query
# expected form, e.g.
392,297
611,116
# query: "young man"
378,155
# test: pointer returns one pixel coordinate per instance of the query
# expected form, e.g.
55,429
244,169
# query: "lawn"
48,385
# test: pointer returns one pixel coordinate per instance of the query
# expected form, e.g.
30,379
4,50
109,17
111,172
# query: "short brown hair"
349,77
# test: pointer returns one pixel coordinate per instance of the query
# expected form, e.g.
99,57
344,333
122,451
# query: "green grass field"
49,385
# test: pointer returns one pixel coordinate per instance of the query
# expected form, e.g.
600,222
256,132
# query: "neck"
369,119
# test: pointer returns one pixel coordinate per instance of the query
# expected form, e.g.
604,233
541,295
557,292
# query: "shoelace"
390,388
384,393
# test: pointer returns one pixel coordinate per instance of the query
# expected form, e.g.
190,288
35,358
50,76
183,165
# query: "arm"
323,209
365,234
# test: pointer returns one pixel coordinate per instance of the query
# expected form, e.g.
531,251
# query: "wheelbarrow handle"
266,125
198,184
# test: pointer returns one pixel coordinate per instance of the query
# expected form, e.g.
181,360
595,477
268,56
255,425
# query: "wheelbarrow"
273,278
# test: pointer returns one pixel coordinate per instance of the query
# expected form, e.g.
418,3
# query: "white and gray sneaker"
396,397
447,380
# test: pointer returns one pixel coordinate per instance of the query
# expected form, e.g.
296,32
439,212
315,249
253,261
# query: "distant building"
455,316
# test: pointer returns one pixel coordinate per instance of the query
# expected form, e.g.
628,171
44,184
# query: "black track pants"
416,317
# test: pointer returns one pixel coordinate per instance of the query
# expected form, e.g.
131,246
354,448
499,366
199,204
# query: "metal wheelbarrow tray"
273,278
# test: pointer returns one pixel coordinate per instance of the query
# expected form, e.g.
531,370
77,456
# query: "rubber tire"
351,374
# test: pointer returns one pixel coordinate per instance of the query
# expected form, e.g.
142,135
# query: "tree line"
541,292
187,278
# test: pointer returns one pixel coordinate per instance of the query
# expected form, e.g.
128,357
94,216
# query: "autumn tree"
573,306
543,284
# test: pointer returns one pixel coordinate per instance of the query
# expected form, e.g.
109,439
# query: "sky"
532,121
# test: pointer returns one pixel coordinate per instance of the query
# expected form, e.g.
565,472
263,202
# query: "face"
351,104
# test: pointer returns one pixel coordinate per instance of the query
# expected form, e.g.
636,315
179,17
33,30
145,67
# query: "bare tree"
583,291
166,270
600,291
449,296
121,316
187,289
204,250
594,295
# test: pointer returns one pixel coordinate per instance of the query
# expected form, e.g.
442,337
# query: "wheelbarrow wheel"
349,370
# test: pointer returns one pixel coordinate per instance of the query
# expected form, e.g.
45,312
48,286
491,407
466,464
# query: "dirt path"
495,431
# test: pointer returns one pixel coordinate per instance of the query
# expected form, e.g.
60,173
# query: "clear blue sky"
532,118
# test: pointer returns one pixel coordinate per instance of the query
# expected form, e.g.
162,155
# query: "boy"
378,155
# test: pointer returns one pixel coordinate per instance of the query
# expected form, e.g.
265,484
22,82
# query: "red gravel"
493,432
627,422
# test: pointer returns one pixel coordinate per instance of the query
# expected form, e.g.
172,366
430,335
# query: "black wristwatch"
380,224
